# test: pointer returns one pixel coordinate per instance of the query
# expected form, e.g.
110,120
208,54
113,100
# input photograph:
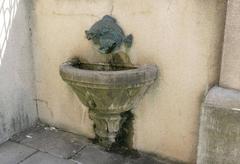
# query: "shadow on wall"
8,9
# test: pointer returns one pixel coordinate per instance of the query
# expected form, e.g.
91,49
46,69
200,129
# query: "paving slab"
93,154
26,133
144,159
44,158
56,142
13,153
53,145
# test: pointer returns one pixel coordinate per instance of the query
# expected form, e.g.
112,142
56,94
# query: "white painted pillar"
219,134
230,69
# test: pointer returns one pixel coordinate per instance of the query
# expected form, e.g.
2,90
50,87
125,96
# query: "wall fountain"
110,90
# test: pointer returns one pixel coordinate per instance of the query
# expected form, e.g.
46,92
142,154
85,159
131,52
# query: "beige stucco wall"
183,38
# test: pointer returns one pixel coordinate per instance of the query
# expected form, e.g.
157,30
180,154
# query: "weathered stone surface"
26,133
223,98
108,93
89,154
44,158
94,154
13,153
219,136
55,142
144,160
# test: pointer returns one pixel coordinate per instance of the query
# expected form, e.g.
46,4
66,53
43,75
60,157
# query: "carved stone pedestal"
107,126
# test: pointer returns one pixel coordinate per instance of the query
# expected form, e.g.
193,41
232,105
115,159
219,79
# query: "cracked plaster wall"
17,104
184,38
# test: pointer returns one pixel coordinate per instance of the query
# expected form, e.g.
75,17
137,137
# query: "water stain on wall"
20,120
2,124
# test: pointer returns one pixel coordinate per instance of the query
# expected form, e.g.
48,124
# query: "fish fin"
110,18
128,41
88,35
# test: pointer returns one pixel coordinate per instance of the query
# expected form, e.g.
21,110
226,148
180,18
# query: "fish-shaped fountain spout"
108,36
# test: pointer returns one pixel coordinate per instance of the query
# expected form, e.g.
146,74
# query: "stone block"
219,135
56,142
44,158
146,159
12,153
94,154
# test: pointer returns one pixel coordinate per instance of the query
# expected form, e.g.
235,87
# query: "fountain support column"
106,126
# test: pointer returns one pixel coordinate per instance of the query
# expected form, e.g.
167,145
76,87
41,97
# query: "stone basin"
108,91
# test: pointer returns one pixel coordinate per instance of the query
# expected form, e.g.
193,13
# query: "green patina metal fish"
108,35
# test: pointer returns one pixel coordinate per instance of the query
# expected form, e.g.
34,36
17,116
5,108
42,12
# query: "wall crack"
112,7
75,14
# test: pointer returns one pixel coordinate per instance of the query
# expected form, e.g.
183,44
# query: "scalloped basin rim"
108,94
134,75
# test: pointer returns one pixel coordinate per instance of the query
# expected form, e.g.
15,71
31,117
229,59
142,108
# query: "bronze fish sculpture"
108,35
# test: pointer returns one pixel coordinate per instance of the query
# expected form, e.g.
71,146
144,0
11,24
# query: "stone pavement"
48,145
